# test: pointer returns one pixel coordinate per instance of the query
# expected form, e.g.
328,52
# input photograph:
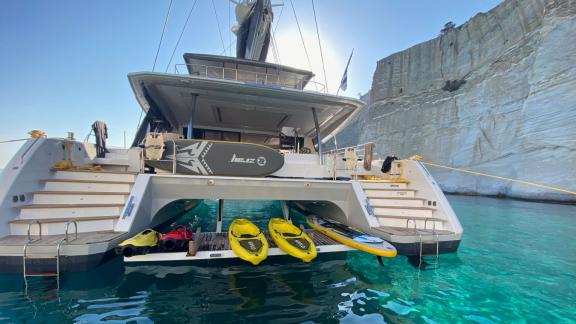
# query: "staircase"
70,221
400,211
397,205
94,199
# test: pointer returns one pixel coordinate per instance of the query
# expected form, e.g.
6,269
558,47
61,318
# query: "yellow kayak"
292,240
139,244
247,241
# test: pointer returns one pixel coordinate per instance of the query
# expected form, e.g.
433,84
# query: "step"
113,164
95,176
385,193
57,226
410,222
87,185
383,185
79,197
389,180
397,201
69,211
403,211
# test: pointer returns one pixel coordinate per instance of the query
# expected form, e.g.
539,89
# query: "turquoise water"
517,263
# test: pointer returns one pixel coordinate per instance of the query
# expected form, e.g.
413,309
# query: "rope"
301,36
219,29
181,33
16,140
320,46
162,35
528,183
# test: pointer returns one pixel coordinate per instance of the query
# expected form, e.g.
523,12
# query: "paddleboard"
200,157
352,237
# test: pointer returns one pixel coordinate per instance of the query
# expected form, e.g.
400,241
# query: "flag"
344,82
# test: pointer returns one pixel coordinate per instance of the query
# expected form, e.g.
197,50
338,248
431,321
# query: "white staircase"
397,205
94,199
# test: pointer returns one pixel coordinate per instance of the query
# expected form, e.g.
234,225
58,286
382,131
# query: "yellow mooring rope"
528,183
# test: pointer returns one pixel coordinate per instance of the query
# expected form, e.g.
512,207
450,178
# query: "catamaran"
222,128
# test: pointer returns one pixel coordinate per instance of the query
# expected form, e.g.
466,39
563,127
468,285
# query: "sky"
63,63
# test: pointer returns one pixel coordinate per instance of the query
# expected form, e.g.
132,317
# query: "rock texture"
497,94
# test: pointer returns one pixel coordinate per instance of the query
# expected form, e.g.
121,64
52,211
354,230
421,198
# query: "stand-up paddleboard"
202,157
247,241
352,237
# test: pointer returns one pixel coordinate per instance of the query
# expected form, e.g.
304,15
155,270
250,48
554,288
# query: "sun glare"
291,53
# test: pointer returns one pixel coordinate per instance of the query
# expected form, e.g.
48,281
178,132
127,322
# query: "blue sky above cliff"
64,63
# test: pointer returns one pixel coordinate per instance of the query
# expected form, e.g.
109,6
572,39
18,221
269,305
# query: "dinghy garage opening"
216,215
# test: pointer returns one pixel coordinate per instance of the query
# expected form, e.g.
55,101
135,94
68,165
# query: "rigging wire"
320,46
230,24
275,48
228,47
181,33
301,36
219,28
279,17
162,35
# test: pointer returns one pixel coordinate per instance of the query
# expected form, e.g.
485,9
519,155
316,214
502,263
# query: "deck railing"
265,79
340,157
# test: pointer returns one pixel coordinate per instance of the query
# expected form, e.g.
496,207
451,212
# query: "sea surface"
517,263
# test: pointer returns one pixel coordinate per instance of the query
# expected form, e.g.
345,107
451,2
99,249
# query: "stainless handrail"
75,230
174,158
433,224
39,230
415,224
358,147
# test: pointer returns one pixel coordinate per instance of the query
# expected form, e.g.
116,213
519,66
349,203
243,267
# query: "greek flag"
344,82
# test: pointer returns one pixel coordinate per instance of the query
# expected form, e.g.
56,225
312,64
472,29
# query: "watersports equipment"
176,239
201,157
352,237
291,239
139,244
247,241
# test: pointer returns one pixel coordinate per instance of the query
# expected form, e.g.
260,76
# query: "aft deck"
215,246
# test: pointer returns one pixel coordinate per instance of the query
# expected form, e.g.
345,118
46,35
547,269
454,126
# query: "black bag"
387,165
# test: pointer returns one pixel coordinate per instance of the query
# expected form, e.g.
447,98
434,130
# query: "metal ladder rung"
56,258
432,264
42,274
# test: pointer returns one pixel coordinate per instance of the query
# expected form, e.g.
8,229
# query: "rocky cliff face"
497,94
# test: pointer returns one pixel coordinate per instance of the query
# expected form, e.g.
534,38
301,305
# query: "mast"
253,31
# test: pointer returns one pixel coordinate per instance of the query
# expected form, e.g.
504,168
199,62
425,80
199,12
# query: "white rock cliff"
514,116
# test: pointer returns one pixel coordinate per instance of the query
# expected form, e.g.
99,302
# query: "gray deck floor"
83,238
219,241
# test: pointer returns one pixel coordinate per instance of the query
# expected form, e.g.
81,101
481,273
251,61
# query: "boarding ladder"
25,256
427,260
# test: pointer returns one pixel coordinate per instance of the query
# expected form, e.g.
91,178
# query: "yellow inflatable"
292,240
247,241
139,244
